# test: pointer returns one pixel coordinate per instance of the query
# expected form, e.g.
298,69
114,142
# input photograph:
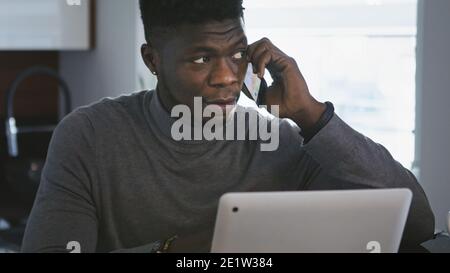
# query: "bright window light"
358,54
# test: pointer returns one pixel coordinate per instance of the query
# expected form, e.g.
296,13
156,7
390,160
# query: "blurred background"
385,64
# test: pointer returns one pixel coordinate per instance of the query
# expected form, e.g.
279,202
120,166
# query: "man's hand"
198,242
289,89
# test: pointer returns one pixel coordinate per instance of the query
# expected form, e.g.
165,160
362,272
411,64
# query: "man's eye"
239,55
201,60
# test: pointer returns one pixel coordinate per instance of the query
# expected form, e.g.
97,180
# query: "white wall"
110,69
433,105
43,25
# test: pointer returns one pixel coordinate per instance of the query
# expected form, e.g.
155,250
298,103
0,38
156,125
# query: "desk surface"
440,244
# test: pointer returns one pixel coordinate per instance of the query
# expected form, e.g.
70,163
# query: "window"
358,54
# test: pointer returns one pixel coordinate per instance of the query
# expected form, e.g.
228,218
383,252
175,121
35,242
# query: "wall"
433,105
109,70
42,90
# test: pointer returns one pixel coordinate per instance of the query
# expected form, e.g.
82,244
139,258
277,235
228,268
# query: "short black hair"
164,14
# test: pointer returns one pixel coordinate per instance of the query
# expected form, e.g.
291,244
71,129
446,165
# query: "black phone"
254,87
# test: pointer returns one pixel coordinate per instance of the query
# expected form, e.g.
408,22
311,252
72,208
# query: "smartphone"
254,87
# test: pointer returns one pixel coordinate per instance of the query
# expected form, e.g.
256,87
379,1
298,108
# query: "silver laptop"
368,221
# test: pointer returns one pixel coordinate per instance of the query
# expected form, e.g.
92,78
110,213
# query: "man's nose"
224,73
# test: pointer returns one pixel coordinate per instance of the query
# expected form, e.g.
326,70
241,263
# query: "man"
116,180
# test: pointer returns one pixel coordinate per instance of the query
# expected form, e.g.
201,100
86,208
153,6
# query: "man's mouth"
223,102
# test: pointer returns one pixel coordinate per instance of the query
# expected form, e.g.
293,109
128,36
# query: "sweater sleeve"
63,210
347,159
64,216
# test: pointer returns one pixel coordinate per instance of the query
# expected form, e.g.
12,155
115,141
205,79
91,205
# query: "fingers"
261,54
264,42
255,59
262,62
254,51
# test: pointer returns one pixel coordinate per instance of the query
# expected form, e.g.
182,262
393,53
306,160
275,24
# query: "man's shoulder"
111,108
108,112
110,103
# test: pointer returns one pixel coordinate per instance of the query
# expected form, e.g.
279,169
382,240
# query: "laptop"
349,221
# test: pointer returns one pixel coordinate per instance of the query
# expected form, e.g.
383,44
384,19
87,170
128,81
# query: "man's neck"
164,99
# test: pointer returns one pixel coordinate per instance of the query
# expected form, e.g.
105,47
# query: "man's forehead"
219,27
223,31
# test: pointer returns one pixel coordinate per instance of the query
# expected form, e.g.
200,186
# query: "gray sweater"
115,180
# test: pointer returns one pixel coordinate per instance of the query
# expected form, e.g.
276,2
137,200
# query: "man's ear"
150,57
